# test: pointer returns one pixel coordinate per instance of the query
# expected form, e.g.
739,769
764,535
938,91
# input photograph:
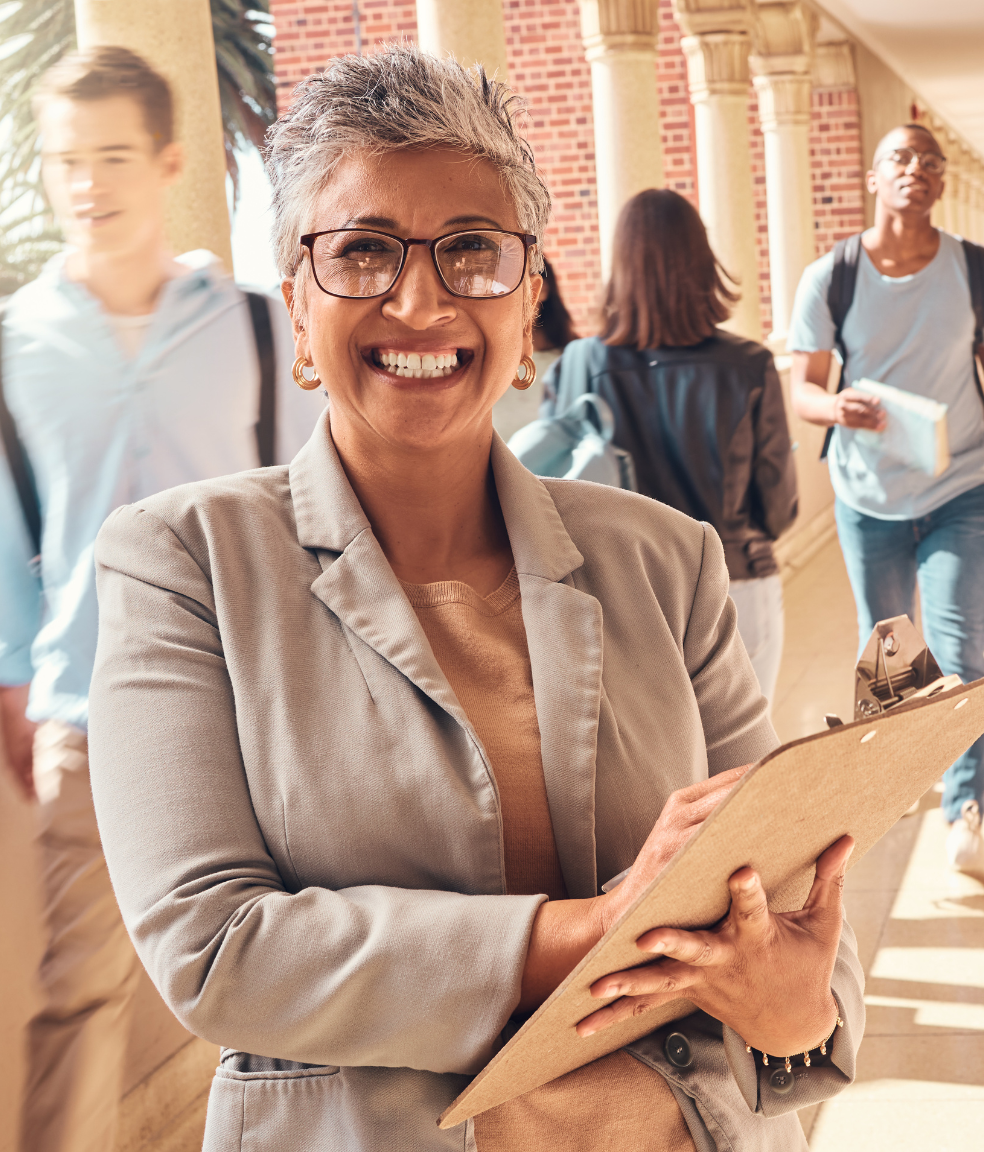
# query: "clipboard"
856,778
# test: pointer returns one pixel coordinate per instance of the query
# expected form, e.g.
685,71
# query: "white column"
176,39
782,77
964,192
938,217
620,41
716,43
472,31
950,201
977,200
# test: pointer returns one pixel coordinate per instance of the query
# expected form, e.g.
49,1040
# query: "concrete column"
948,208
472,31
620,38
176,39
964,190
939,215
716,43
782,65
977,215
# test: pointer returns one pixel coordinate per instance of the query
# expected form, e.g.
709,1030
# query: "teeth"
417,366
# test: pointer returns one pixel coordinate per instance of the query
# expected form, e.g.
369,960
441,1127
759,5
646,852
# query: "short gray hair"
398,98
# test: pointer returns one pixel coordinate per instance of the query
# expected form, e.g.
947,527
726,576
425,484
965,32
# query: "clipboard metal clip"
896,666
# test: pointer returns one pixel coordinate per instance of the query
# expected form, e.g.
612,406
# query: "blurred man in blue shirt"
126,371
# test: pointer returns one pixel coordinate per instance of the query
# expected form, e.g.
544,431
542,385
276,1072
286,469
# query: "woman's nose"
419,298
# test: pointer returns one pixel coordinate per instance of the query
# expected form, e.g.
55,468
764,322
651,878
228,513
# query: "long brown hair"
667,288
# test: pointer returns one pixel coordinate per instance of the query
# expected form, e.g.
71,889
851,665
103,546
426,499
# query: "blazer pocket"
257,1103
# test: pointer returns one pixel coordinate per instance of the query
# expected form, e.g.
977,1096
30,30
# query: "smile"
419,365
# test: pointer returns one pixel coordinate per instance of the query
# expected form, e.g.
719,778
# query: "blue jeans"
944,551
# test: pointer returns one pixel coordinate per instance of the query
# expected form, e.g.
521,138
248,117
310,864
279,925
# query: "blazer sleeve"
371,975
773,469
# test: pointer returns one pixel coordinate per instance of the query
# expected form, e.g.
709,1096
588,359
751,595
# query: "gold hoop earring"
302,381
529,379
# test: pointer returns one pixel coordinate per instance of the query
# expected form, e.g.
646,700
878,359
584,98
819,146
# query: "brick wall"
837,166
756,146
310,32
676,113
547,65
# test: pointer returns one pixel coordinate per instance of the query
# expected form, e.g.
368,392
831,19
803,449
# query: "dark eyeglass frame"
915,156
406,243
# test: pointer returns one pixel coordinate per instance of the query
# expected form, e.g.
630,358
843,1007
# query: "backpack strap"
266,423
20,465
575,376
974,255
840,297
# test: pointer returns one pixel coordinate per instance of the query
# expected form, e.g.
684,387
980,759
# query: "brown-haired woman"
699,409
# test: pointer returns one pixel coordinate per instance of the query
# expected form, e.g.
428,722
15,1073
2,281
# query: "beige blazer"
303,829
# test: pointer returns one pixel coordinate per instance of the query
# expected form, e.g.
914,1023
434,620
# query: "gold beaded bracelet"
787,1060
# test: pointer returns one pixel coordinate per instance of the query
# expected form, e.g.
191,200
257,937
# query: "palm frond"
35,33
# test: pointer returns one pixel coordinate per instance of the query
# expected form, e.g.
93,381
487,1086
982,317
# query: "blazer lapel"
357,583
564,634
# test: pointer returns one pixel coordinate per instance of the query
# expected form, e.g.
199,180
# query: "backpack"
266,431
840,296
577,443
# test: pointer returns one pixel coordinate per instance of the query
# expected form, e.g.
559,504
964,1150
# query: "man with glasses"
900,305
125,371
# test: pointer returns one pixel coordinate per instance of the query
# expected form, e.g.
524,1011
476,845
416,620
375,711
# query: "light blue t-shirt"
915,333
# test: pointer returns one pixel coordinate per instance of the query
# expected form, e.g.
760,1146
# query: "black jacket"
706,427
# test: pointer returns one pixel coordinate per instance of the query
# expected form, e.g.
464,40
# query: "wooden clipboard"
857,778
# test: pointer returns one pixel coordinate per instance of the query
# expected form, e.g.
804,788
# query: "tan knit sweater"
612,1104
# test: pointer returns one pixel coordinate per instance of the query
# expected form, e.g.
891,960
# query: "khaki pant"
77,1042
21,947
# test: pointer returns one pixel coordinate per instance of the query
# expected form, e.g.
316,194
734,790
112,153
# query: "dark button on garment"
678,1051
782,1081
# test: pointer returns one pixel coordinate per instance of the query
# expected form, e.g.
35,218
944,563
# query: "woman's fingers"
697,948
621,1009
648,979
826,895
644,989
749,906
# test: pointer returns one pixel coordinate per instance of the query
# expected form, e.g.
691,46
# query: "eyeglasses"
356,262
931,162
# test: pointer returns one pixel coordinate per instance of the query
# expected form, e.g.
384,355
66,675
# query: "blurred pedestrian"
553,330
124,371
699,409
900,311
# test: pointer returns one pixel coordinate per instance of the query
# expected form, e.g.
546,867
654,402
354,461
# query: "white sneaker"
964,846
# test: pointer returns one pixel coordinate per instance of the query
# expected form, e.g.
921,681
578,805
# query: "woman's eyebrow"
386,224
459,221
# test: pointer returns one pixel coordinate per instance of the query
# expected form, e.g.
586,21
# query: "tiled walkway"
920,1085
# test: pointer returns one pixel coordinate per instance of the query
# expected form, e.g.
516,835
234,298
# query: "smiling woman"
385,719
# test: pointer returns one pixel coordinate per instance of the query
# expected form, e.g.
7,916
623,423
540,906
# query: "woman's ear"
293,303
529,309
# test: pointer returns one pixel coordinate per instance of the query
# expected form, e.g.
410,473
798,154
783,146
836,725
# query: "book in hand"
917,428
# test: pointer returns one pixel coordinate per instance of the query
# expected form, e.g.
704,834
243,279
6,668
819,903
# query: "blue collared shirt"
102,430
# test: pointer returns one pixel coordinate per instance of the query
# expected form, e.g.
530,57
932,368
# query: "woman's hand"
765,975
565,931
683,813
